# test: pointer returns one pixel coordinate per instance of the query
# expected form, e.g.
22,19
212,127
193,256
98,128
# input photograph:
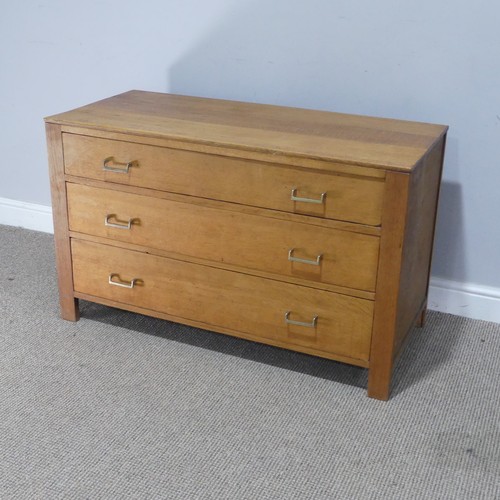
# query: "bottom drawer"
328,322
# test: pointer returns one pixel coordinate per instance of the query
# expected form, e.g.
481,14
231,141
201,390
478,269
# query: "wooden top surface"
277,130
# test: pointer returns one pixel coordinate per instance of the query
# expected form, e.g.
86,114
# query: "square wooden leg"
70,310
67,301
379,383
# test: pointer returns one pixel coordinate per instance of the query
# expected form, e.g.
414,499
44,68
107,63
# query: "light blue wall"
418,60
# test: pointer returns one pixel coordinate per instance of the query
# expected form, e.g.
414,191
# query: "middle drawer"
251,241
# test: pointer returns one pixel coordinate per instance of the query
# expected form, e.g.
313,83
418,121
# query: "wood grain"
388,285
233,301
418,241
304,163
213,220
295,280
347,259
231,207
377,142
349,198
408,224
67,301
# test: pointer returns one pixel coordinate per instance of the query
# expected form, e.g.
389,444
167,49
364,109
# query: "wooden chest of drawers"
301,229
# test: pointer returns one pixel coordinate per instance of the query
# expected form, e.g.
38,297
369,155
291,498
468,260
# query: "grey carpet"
123,406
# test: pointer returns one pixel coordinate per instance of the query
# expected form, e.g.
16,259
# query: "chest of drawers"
302,229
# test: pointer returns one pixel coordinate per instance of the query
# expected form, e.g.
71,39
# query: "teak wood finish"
201,228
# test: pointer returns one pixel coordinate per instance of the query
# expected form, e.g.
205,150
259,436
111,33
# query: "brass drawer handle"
289,321
315,262
119,282
294,197
118,224
111,159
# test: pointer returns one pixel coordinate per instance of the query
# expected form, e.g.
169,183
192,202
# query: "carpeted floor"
128,407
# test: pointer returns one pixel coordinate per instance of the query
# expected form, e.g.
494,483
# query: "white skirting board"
26,215
461,299
464,299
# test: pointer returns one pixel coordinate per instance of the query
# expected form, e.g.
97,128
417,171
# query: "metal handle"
312,324
123,284
110,159
294,197
315,262
117,224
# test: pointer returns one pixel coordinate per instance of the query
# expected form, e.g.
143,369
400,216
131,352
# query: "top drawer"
267,185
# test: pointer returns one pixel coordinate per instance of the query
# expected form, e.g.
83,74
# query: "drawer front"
266,185
240,302
283,247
